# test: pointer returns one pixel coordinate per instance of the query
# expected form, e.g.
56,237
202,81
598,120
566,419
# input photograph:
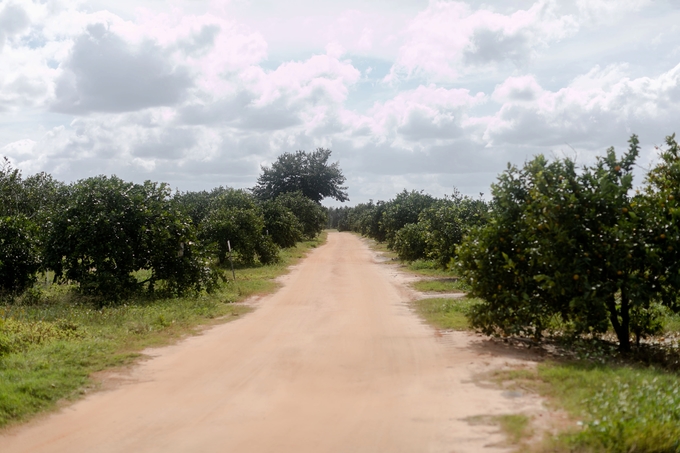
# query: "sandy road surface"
333,362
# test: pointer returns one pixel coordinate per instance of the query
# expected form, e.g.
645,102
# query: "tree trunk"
622,328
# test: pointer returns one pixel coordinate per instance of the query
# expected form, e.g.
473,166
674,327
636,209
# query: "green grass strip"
444,313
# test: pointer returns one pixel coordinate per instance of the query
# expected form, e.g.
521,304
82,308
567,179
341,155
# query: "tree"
109,228
410,242
19,244
19,254
197,204
312,216
308,173
661,203
235,217
281,223
404,208
571,244
447,222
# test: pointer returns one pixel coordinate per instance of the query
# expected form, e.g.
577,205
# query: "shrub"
404,208
19,254
568,244
311,215
410,242
109,229
281,224
234,219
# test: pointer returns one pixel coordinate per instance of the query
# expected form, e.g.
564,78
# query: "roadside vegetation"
446,314
575,260
94,271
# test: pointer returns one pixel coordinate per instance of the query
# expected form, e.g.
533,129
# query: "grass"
514,426
51,342
448,314
428,268
621,408
441,285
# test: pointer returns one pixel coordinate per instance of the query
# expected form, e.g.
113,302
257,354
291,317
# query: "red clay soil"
335,361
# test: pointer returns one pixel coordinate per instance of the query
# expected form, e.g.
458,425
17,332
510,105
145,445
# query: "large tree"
309,173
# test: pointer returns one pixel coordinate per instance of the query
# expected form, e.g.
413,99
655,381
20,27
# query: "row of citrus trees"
414,224
577,248
115,238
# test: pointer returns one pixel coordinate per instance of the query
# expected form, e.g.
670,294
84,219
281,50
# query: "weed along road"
335,361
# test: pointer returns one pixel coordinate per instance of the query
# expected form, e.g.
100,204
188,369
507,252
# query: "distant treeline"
115,238
414,224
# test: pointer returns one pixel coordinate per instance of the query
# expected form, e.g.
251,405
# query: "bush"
569,244
447,222
234,219
404,208
281,224
109,229
18,336
311,215
410,242
19,254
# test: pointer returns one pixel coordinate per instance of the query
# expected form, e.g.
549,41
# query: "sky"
408,94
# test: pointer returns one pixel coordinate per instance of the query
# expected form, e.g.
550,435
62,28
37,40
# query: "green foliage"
11,190
281,223
415,225
405,208
108,229
235,219
410,242
311,215
308,173
448,222
197,205
568,244
19,254
661,204
21,206
364,218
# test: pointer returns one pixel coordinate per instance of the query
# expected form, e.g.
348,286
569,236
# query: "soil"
335,361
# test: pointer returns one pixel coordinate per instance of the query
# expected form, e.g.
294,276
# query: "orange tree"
569,244
234,220
107,229
26,205
403,209
281,224
661,203
447,222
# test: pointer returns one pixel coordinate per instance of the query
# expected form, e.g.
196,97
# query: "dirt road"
333,362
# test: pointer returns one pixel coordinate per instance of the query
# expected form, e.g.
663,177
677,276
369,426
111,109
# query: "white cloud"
608,10
13,20
599,108
518,89
450,38
106,74
426,113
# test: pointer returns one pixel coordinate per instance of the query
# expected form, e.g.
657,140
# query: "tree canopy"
309,173
579,246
